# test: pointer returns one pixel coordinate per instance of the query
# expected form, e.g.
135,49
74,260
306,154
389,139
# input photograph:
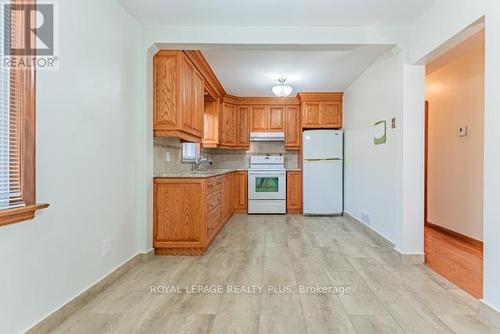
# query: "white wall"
455,93
384,181
440,24
86,167
412,161
370,170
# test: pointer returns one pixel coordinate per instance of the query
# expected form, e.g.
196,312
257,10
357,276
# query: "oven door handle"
267,173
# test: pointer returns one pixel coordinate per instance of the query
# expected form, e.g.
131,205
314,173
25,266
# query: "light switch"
167,156
462,131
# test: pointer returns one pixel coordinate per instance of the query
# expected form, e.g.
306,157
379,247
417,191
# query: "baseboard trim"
146,257
488,314
410,258
374,234
471,241
403,257
55,319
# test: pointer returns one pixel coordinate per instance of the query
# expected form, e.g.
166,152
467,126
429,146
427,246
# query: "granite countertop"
205,174
202,174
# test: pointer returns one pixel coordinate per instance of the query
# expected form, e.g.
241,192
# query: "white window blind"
190,151
10,128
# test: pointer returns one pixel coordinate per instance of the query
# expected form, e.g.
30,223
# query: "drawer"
214,203
214,184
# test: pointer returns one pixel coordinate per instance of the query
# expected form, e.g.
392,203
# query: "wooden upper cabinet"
187,93
211,123
267,118
311,114
276,119
228,125
292,128
321,110
178,97
331,115
243,127
166,102
198,103
259,118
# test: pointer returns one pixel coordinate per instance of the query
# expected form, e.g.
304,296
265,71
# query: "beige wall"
455,91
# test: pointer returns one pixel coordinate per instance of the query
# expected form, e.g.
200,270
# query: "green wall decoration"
380,133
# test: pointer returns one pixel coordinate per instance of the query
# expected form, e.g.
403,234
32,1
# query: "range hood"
267,136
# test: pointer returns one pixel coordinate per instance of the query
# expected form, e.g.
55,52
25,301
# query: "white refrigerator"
323,172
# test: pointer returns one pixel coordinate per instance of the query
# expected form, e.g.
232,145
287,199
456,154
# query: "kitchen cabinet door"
228,126
292,128
178,97
311,117
259,119
240,188
331,115
227,197
233,117
243,127
294,192
187,93
276,119
198,103
166,116
178,213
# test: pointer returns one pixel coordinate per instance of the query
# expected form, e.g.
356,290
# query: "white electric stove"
267,185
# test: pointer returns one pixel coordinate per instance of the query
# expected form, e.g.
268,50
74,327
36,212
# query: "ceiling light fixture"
281,90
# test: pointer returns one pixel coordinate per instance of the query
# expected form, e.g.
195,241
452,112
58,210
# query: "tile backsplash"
234,159
172,147
222,158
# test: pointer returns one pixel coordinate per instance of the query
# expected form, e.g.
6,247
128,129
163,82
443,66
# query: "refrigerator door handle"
315,160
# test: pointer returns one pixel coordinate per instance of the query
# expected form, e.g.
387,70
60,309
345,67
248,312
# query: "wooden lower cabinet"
227,196
240,195
188,213
294,192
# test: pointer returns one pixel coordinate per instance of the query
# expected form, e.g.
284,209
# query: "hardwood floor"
457,260
275,252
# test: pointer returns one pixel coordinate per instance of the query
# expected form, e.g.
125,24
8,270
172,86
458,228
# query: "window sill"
18,215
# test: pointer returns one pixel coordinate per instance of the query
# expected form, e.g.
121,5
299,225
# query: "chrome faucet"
200,160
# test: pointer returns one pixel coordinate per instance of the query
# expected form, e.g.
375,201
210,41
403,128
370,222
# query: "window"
17,129
190,151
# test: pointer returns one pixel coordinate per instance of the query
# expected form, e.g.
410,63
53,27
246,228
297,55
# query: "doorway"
454,122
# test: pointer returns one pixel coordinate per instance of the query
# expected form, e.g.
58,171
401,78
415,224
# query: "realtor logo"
30,35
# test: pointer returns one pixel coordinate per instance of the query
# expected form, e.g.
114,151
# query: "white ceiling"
254,72
395,13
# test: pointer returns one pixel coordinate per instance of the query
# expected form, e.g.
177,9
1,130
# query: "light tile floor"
283,252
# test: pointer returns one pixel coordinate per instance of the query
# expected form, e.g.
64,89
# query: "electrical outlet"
366,218
106,247
167,157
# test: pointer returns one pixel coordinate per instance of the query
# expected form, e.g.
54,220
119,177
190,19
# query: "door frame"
426,159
